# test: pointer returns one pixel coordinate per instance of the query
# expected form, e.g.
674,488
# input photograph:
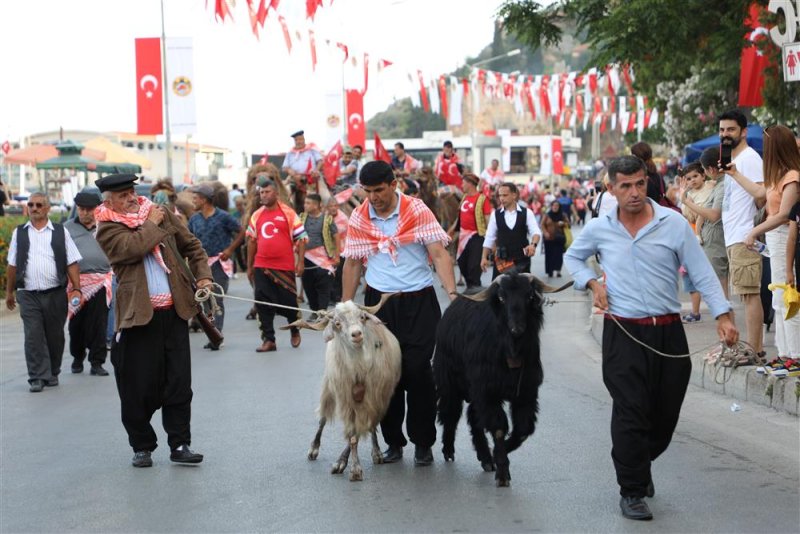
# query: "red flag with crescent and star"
149,93
330,166
356,126
380,152
558,156
754,62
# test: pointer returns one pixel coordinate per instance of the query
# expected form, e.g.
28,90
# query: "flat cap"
87,200
204,190
347,150
116,182
298,132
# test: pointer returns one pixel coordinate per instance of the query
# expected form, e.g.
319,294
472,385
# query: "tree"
685,53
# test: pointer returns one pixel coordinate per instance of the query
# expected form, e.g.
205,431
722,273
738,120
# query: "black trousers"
470,261
647,390
268,290
554,254
87,330
412,318
317,283
43,315
336,287
153,369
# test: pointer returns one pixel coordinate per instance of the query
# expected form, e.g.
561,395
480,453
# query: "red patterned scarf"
131,220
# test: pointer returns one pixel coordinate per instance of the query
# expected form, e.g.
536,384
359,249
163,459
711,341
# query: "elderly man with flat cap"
220,234
88,321
154,301
302,163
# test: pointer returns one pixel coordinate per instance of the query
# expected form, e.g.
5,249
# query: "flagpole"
166,93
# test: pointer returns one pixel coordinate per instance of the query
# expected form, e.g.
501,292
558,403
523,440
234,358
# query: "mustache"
727,140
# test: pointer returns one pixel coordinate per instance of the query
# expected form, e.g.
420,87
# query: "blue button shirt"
642,271
215,233
412,271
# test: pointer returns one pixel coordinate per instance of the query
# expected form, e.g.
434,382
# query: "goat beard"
359,390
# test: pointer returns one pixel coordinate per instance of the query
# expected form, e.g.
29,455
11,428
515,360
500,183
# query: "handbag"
206,322
568,236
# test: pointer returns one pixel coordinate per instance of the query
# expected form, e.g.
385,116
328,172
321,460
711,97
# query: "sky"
71,64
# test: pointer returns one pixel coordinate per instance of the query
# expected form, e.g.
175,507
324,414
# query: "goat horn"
377,307
302,323
483,295
546,288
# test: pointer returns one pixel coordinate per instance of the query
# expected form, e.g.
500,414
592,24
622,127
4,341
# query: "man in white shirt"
512,234
493,175
41,257
738,211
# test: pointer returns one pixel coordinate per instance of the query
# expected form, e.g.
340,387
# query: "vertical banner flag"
380,153
558,156
751,77
356,126
180,86
149,112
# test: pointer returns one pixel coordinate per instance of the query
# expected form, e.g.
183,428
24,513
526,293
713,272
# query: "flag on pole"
149,92
356,126
753,63
180,85
380,152
330,166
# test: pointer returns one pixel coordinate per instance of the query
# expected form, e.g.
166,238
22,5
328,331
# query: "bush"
7,225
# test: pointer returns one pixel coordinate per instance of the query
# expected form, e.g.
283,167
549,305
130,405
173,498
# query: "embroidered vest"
328,239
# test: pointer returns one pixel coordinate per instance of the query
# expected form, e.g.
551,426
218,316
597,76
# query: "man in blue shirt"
220,234
641,246
395,234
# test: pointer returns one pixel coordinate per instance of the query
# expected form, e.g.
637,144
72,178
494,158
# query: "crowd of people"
390,227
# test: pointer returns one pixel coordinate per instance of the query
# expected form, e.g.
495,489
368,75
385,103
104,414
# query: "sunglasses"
35,204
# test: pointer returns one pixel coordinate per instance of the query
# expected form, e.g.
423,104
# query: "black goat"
487,352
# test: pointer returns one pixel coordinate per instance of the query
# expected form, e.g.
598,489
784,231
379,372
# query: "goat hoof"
488,466
338,468
313,453
503,482
356,474
377,458
449,456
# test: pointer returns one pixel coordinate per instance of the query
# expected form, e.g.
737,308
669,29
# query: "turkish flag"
6,147
330,166
558,156
149,94
751,78
356,126
380,152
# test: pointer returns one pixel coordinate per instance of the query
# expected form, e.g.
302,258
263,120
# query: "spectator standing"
4,200
554,224
738,211
88,321
41,257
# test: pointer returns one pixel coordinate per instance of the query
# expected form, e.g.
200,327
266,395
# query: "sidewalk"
742,383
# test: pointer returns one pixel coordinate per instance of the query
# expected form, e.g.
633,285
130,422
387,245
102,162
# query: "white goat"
362,369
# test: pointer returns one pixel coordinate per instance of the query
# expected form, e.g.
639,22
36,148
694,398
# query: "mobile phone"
725,155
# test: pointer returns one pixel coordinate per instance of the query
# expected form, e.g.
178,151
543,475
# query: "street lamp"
476,161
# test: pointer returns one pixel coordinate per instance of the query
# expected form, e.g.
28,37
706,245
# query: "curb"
742,383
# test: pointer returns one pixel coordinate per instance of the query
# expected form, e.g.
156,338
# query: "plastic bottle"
761,248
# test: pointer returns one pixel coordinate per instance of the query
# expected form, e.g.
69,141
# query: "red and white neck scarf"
132,221
416,224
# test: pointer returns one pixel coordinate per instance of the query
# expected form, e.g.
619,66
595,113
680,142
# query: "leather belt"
658,320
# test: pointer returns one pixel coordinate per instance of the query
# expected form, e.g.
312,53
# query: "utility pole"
166,93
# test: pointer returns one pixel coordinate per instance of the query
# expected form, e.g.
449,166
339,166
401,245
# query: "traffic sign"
791,62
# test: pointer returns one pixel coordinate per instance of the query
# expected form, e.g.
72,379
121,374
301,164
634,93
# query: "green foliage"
691,47
403,120
7,225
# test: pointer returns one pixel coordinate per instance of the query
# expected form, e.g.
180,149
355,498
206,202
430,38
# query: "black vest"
59,244
511,241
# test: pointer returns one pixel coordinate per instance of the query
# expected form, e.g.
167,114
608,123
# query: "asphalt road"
65,462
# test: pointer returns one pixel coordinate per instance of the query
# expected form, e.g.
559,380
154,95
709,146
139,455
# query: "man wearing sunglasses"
41,257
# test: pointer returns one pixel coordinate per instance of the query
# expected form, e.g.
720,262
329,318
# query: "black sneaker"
77,366
635,508
392,455
185,455
211,346
53,382
142,459
423,456
37,386
97,370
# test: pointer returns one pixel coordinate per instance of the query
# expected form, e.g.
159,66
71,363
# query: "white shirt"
608,203
738,207
40,271
511,219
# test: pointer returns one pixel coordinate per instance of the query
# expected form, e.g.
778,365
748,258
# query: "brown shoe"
295,337
267,346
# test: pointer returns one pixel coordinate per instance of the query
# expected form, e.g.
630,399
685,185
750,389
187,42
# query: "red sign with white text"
356,126
149,93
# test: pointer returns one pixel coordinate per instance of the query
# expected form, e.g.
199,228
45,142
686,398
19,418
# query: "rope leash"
205,293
